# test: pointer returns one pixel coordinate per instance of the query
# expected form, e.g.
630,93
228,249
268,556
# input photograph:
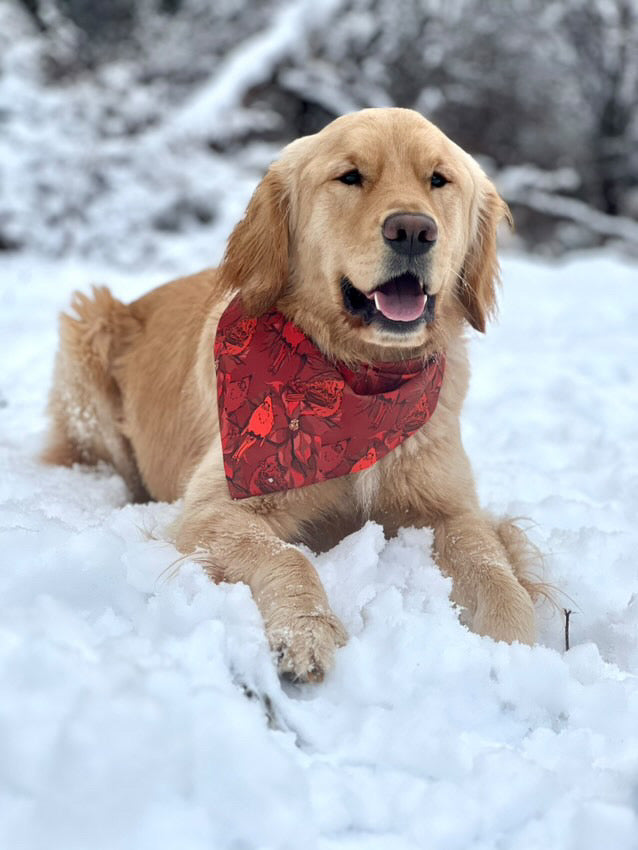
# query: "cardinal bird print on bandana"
289,417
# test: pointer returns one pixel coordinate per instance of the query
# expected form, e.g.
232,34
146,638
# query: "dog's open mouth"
399,303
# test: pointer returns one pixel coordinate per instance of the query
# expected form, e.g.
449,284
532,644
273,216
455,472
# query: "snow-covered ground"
142,711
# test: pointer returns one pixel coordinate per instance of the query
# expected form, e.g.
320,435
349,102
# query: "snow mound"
141,709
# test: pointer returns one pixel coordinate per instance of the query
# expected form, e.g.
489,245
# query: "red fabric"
289,417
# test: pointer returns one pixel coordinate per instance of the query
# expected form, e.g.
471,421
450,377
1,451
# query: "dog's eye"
351,178
438,180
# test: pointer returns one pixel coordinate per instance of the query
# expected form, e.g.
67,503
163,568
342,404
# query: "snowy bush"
136,113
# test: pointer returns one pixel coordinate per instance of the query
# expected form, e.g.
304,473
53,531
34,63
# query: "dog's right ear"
256,258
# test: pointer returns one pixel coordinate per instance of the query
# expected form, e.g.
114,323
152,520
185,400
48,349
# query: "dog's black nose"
409,233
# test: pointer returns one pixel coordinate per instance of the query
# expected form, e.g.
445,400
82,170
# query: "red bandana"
290,417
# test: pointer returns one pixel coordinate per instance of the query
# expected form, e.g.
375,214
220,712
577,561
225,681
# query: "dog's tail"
85,403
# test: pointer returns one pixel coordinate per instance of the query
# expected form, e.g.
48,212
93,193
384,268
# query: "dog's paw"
305,644
507,615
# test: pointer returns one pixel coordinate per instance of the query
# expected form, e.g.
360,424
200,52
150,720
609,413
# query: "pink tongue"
400,306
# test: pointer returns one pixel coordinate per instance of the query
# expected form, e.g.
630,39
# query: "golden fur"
134,384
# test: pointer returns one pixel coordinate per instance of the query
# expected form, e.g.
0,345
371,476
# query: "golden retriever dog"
376,238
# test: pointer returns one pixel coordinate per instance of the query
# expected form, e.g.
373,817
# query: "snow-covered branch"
539,190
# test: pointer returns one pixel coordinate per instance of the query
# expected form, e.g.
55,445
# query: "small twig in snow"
567,613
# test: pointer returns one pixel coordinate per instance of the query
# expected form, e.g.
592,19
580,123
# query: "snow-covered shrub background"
143,713
142,106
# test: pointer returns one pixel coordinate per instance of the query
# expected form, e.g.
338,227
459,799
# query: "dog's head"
377,236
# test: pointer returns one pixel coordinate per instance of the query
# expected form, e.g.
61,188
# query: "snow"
141,709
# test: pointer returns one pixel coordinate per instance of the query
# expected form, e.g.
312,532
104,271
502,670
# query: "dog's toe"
306,646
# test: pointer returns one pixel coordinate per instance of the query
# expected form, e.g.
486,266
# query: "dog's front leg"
235,543
488,560
481,557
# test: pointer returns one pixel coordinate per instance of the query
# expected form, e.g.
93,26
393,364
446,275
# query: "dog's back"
96,414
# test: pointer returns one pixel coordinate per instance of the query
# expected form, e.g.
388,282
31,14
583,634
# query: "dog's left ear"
256,258
480,275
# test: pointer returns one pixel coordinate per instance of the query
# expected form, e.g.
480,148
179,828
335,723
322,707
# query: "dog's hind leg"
85,404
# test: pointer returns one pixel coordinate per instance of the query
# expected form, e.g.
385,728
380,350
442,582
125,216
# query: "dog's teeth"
376,301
